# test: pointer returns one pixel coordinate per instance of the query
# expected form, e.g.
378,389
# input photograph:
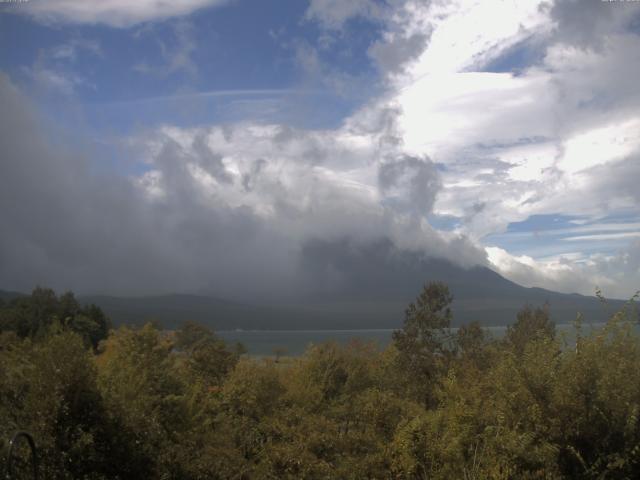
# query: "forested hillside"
133,403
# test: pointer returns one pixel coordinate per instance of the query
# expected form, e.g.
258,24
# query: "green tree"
49,389
531,323
143,391
35,315
207,357
425,344
473,348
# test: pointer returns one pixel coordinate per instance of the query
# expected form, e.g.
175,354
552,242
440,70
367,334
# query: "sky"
203,146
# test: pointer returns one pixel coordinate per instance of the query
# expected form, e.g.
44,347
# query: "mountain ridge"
373,293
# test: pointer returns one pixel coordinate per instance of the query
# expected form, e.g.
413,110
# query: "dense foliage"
42,313
437,403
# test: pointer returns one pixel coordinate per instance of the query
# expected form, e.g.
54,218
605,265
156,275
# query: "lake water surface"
295,342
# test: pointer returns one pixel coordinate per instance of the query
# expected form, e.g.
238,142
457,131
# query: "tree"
207,355
49,389
191,334
424,343
34,316
531,323
471,345
142,389
31,316
98,328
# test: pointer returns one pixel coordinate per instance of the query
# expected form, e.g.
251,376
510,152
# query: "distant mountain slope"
171,310
7,295
479,294
346,285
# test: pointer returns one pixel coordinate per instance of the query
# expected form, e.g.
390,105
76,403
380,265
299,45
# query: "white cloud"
560,137
53,68
617,275
176,55
70,50
602,236
311,184
115,13
564,273
57,81
468,33
514,144
445,112
333,14
601,145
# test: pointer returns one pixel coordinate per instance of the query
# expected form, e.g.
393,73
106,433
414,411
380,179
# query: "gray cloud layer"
588,23
230,211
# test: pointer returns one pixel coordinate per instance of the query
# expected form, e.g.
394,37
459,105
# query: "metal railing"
10,473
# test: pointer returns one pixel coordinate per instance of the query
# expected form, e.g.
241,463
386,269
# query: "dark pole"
34,455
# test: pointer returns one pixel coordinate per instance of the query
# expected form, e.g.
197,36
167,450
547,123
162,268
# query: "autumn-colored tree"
207,357
139,383
154,404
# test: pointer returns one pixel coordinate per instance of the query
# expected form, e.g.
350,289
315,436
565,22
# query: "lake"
295,342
